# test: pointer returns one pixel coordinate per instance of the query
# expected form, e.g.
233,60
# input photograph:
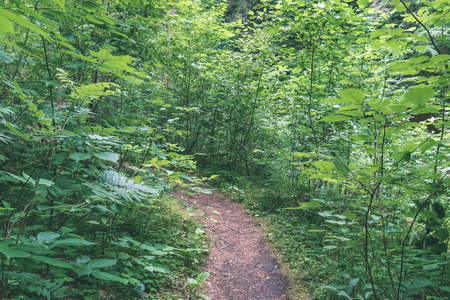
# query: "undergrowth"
149,253
179,248
321,242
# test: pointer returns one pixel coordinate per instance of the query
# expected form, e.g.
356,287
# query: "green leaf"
322,176
352,95
10,252
47,236
5,57
46,122
114,62
380,106
7,206
52,261
155,149
350,216
330,247
81,270
343,293
192,283
202,277
341,168
363,3
45,182
329,287
7,26
83,259
418,283
109,156
102,263
445,288
339,101
351,284
398,108
326,214
431,267
95,91
163,162
352,113
419,96
14,130
161,269
80,156
69,36
72,242
336,222
137,179
28,178
157,268
41,249
14,178
307,205
335,118
23,22
425,110
39,114
350,107
324,166
361,138
403,155
108,276
441,234
34,14
428,145
395,43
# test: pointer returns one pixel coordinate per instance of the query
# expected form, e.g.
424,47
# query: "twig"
232,229
423,26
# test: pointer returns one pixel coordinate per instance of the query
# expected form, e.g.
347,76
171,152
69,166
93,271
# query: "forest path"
241,264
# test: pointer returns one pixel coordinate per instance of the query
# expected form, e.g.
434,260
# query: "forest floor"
241,263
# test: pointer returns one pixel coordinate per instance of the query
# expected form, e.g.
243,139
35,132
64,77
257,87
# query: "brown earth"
241,264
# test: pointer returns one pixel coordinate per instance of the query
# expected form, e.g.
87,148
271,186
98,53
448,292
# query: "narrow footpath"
241,264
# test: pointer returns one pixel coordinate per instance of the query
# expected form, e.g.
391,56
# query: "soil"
241,264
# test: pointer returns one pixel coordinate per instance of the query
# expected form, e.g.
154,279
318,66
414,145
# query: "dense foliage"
346,131
329,117
85,153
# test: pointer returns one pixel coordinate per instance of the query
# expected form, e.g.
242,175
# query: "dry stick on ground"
206,213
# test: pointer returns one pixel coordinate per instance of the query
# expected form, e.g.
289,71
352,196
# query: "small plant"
193,285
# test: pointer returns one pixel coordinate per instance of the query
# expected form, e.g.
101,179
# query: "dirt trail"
241,264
